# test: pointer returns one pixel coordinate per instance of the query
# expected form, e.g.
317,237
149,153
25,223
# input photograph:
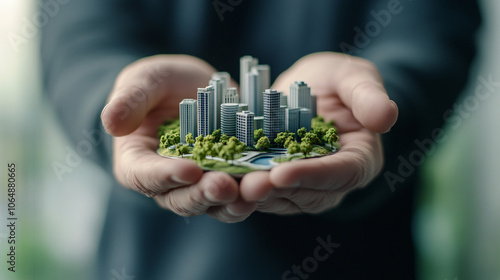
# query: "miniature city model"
256,130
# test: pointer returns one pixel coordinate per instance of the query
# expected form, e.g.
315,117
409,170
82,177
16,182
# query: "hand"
350,92
146,93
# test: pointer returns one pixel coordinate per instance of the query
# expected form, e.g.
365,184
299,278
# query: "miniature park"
263,130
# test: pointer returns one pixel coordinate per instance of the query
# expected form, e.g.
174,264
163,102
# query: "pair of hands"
148,91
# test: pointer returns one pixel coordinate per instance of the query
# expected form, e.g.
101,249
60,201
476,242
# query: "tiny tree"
216,148
199,153
209,139
224,138
293,147
225,153
181,149
331,136
257,134
289,140
301,132
312,138
189,138
199,139
320,132
216,135
305,148
263,143
234,140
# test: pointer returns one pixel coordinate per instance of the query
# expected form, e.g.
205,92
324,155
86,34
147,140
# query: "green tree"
189,138
234,140
216,135
257,134
199,153
312,138
225,153
181,149
331,136
305,148
263,143
301,132
224,138
216,148
293,147
199,139
289,140
209,139
319,131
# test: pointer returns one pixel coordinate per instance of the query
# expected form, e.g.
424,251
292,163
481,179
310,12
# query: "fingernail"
178,180
210,196
230,211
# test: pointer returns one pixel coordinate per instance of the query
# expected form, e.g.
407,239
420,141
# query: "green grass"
286,158
224,166
322,150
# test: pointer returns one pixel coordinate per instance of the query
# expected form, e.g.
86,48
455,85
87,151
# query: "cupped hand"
145,94
349,91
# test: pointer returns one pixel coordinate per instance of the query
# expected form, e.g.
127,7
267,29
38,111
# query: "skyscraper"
225,79
206,107
252,87
263,83
228,118
300,95
187,118
242,107
282,118
292,119
305,118
245,128
283,99
314,106
271,114
218,90
246,63
231,96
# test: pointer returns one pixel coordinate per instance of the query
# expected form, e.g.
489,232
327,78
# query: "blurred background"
457,228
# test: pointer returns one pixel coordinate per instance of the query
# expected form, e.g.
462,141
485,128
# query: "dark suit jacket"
422,48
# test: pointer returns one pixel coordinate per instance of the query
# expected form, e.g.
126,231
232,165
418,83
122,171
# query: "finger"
309,200
142,85
277,205
359,160
213,189
138,167
361,89
233,212
255,186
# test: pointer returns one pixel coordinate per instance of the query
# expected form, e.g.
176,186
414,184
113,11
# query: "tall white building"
225,79
271,114
242,107
231,96
292,119
246,64
244,127
252,89
300,95
206,108
219,88
263,83
187,118
282,118
305,118
283,99
228,118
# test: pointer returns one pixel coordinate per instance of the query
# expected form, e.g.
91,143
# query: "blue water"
263,161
